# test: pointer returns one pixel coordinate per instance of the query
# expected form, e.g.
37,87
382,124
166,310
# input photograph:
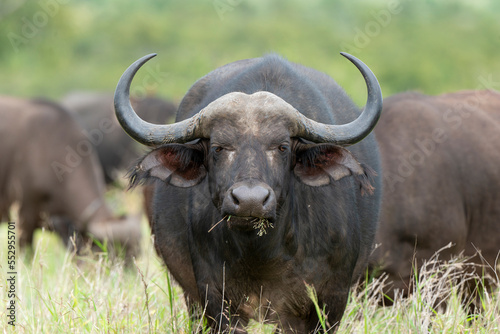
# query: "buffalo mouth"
248,224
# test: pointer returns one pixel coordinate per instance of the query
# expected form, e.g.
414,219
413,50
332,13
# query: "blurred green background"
51,47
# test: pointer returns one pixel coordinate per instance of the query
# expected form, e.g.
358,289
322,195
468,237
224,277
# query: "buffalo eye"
283,148
217,149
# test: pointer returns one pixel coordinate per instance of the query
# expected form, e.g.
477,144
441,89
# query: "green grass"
60,292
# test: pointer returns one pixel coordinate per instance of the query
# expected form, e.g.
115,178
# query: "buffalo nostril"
234,198
261,195
266,200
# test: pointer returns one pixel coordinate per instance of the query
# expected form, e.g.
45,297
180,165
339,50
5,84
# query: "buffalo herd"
265,182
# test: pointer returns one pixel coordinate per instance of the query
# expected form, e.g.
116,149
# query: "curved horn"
142,131
355,131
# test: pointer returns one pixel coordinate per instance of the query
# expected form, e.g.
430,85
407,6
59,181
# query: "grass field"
60,292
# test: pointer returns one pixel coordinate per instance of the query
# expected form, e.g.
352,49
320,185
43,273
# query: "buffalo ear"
180,165
317,164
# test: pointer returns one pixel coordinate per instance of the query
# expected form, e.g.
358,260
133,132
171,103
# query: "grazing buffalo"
50,169
257,196
441,165
95,114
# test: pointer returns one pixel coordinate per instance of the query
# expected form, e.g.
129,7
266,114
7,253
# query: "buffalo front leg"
333,307
223,317
29,220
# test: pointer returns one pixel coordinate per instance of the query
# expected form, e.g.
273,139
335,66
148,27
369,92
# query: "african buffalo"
256,195
441,175
49,168
95,113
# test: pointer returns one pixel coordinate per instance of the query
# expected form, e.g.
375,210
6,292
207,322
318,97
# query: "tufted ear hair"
181,165
319,164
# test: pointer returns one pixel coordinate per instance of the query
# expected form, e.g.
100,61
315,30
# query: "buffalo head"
249,146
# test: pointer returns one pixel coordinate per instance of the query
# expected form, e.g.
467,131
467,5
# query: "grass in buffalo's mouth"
262,224
226,216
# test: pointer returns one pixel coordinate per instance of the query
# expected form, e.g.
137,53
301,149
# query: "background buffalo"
51,170
440,161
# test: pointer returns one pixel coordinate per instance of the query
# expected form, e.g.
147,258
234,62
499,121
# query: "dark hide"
319,212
